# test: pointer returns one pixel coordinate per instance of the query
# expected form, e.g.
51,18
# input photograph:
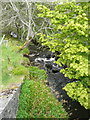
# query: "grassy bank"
12,69
36,99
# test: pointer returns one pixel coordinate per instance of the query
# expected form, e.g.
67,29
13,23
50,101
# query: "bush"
36,100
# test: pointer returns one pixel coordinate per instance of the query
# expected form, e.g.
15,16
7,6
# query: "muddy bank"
42,57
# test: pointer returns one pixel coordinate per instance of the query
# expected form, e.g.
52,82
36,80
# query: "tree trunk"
30,33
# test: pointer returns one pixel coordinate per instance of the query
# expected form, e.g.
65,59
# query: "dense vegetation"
69,22
63,28
36,100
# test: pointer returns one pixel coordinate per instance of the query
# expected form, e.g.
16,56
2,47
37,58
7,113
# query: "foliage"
77,91
69,22
36,100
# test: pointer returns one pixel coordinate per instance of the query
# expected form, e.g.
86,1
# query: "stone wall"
9,103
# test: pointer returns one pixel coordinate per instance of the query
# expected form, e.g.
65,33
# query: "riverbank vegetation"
36,99
12,66
62,27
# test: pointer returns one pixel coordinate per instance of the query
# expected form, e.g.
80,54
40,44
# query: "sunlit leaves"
70,36
77,91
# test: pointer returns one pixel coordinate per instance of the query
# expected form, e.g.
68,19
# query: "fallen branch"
25,44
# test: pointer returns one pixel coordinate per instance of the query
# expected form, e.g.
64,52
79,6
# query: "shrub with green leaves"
36,99
69,23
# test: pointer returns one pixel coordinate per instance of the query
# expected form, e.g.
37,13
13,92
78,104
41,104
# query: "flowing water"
43,58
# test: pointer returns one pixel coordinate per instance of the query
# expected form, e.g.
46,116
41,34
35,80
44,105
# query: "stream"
42,57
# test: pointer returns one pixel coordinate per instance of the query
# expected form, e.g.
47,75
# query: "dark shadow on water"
75,110
56,81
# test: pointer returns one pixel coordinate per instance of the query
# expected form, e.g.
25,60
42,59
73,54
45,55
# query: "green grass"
36,99
11,68
20,70
37,74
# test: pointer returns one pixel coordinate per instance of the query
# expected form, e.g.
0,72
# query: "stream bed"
42,57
